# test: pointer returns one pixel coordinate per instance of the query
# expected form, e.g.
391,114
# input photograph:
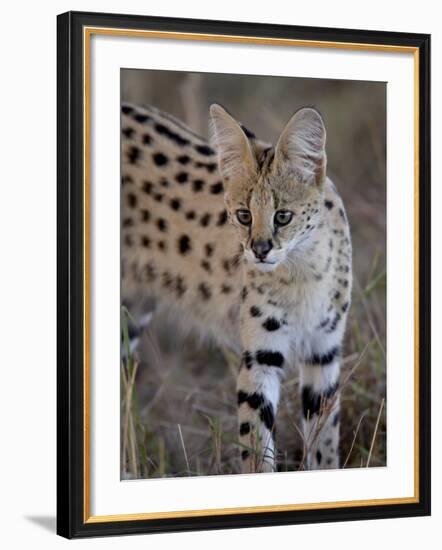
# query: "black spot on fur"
324,323
182,177
145,241
151,273
128,222
173,136
254,400
334,323
132,200
344,307
318,456
313,401
175,204
162,225
206,266
204,150
245,454
244,428
242,397
164,183
127,109
210,167
147,140
255,311
158,197
184,244
190,215
271,324
162,245
205,291
325,358
335,421
216,188
205,219
128,132
197,185
160,159
226,289
328,204
180,287
247,359
167,279
141,118
270,358
133,154
209,248
222,218
244,293
145,215
147,187
267,417
183,159
126,180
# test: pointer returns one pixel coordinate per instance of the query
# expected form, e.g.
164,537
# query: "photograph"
243,274
222,224
253,274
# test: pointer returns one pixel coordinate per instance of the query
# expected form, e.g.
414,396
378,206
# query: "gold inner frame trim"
87,34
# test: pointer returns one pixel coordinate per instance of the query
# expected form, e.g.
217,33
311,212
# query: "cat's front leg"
320,404
265,351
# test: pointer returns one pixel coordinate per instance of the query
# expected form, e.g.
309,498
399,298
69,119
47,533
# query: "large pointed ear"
302,147
235,155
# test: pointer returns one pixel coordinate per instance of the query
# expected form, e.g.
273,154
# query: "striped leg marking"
258,396
320,404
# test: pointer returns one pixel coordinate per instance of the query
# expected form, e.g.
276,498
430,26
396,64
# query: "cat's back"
177,244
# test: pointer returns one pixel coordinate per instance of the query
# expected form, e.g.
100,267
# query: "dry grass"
178,407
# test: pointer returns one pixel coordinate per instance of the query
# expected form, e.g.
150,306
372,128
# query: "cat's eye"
244,216
283,217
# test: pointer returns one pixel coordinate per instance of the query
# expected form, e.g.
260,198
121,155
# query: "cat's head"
273,194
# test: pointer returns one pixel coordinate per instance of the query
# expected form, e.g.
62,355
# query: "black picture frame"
71,519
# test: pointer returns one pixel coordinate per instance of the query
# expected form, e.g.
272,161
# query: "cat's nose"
261,248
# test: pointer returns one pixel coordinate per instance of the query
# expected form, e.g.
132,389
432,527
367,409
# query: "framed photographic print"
243,274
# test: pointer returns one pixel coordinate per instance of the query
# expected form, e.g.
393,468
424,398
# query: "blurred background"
178,407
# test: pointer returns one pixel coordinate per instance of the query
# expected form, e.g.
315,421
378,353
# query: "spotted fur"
277,292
